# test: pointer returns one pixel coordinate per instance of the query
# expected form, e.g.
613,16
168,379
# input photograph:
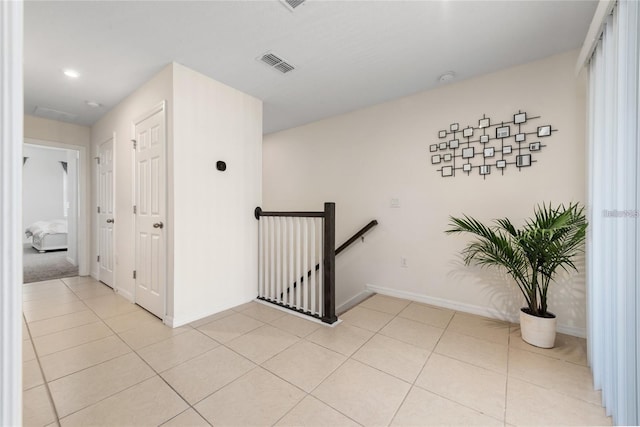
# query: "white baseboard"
124,293
352,302
466,308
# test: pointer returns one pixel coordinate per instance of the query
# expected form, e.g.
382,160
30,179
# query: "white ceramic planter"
538,331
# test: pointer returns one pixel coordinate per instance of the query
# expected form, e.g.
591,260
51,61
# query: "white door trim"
83,199
97,226
160,107
11,133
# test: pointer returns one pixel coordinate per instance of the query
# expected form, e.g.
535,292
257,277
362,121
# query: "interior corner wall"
215,235
118,123
364,159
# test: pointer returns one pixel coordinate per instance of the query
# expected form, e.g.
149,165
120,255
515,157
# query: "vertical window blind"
613,244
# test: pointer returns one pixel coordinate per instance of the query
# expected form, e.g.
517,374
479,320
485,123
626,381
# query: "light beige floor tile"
25,331
149,403
72,282
422,408
469,385
386,304
230,327
344,339
364,394
257,398
27,351
208,319
37,410
128,321
563,377
175,350
262,312
87,286
262,343
44,285
31,374
111,305
529,404
65,362
412,332
60,323
81,389
434,316
365,318
150,333
62,293
44,303
54,311
479,352
240,308
295,325
305,364
394,357
188,418
313,413
93,291
68,338
566,347
205,374
480,327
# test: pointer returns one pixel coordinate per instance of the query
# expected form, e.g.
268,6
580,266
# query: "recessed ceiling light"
447,77
71,73
93,104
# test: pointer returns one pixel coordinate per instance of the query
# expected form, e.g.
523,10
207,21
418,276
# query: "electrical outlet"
403,262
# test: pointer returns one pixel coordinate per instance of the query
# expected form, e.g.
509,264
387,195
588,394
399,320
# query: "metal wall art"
489,147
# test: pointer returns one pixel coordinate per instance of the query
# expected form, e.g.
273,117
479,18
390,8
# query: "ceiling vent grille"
277,63
50,113
292,4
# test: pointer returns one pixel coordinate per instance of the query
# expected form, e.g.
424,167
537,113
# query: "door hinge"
97,159
135,209
134,274
135,143
98,258
98,209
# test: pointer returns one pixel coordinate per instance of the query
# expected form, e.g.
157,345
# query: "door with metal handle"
110,221
158,225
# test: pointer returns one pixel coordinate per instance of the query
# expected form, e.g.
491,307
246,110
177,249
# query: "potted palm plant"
532,255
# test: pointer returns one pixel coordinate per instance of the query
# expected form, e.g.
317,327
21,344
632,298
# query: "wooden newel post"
329,273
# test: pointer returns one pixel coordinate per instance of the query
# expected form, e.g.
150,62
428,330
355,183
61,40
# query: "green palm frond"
533,254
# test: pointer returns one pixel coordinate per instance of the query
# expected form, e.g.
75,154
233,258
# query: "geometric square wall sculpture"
506,145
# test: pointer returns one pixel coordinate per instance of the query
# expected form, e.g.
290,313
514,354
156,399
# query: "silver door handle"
110,221
158,225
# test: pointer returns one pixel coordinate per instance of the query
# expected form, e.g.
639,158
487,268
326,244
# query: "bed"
48,235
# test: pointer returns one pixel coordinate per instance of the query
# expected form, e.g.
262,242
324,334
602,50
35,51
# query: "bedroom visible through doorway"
50,212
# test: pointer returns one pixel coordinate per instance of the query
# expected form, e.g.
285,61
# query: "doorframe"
83,198
97,226
157,108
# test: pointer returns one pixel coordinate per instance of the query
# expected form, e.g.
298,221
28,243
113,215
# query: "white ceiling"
348,54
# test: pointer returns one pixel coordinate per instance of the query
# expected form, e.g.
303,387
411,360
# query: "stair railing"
289,244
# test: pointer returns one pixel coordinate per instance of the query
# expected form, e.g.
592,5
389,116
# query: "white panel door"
150,199
105,212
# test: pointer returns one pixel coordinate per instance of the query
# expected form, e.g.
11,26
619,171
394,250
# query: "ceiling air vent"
276,63
50,113
292,4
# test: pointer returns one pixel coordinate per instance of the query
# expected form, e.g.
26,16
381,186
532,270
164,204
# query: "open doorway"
50,212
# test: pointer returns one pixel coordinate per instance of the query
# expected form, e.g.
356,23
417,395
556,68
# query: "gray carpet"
47,266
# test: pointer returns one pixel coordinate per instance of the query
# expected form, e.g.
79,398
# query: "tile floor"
92,358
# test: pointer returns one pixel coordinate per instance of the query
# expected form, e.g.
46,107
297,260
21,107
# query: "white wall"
42,176
215,234
363,159
118,124
72,210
